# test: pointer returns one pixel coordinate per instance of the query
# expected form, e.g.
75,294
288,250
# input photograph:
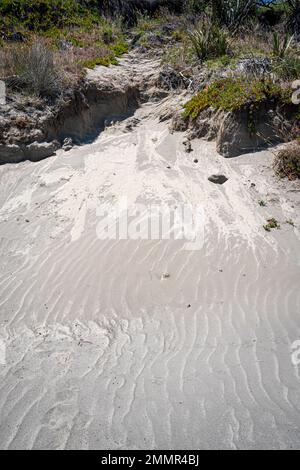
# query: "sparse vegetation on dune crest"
287,161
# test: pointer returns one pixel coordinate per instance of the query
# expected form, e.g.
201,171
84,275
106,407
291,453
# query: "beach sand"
143,344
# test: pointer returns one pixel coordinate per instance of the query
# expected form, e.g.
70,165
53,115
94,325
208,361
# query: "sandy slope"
103,350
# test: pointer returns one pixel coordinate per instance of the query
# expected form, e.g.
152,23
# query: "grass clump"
232,94
52,58
262,203
109,57
287,161
290,222
106,61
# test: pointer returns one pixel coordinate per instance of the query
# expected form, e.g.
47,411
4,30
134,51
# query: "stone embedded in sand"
218,179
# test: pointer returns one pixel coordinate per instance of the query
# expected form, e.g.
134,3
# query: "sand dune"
138,344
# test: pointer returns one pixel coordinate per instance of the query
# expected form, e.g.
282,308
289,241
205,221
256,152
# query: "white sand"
102,349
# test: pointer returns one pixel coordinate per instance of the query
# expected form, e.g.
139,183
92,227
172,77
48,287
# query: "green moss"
233,94
107,35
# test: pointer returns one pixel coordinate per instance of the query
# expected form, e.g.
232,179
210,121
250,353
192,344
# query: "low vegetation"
271,224
287,68
234,54
47,45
